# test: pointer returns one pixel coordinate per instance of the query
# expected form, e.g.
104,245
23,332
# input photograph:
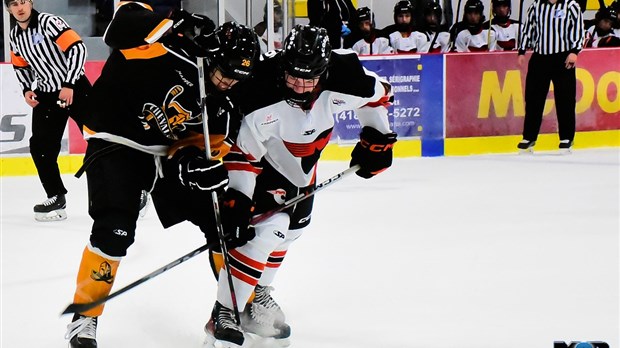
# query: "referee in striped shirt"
45,50
554,30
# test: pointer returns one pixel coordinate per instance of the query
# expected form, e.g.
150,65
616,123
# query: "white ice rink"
498,251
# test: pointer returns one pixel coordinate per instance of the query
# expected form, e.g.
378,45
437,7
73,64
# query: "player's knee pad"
113,233
95,278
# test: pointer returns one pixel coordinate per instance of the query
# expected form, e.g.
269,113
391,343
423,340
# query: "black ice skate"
222,329
52,209
82,331
265,318
526,146
566,146
145,198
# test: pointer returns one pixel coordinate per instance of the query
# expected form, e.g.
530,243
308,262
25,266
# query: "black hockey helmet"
233,48
365,14
501,2
607,13
306,51
402,7
474,6
433,8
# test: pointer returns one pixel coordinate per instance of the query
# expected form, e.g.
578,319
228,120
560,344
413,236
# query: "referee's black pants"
48,124
543,69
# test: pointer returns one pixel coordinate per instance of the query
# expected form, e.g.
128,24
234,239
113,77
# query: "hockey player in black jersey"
288,122
141,136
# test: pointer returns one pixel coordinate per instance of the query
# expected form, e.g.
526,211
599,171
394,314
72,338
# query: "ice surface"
498,251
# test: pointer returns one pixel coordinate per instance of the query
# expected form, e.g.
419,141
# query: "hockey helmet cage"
474,6
306,51
402,7
233,48
135,24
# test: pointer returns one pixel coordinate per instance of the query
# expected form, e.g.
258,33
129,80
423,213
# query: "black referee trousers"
48,124
543,69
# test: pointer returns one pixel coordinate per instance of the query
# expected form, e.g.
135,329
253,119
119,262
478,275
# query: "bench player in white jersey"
400,33
473,37
602,33
506,29
288,122
370,43
432,36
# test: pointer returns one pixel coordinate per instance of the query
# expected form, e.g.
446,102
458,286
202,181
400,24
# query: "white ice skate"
52,209
265,320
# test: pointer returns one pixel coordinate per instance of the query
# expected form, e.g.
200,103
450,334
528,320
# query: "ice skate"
222,329
52,209
526,146
145,199
264,317
566,147
82,332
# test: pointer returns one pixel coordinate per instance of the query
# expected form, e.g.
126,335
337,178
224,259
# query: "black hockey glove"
197,172
373,152
191,24
236,212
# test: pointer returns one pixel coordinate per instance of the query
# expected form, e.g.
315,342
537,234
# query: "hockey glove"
373,152
236,212
197,172
191,24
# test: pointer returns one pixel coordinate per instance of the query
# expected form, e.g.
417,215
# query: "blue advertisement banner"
417,111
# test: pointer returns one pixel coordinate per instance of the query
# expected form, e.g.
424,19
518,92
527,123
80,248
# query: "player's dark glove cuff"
236,212
373,152
196,172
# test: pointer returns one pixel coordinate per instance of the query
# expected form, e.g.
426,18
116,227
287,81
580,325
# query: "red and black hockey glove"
373,152
197,172
236,213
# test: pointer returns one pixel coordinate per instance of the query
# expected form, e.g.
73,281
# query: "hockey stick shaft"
216,204
302,196
82,307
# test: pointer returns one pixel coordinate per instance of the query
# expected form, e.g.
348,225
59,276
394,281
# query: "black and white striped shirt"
553,28
47,51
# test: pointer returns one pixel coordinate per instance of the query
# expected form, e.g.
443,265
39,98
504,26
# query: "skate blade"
145,209
55,215
212,342
529,151
266,342
566,151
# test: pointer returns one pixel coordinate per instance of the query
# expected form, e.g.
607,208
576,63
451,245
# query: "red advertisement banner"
484,94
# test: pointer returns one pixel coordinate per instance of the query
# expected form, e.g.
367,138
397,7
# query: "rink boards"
455,104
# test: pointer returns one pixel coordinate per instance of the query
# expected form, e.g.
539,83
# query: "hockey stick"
216,204
82,307
302,196
520,24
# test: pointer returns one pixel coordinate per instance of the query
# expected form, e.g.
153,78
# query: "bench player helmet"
233,48
433,8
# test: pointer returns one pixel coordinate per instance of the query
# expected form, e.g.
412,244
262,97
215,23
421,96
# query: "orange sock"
95,279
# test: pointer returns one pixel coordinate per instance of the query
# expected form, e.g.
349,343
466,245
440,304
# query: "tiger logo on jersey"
170,117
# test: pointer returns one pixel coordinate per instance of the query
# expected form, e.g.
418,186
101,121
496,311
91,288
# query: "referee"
554,30
47,53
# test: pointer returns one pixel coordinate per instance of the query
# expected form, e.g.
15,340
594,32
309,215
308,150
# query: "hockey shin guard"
95,278
217,263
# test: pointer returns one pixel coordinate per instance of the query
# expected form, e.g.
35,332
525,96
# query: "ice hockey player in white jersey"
400,33
292,97
602,33
370,43
473,37
432,36
506,29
